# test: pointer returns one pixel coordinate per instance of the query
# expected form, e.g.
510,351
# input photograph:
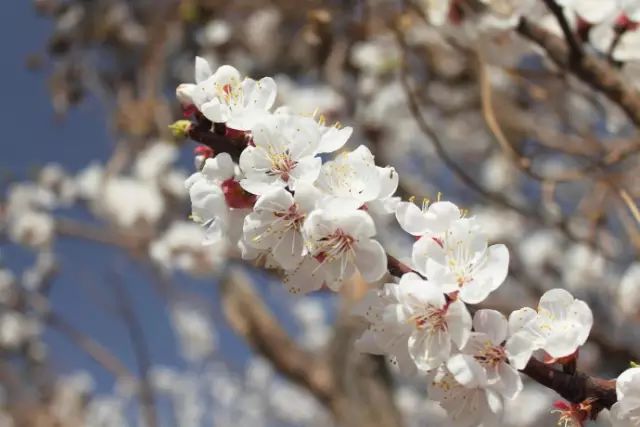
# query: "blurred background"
113,314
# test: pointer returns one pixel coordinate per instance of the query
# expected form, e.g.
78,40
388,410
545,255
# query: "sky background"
32,135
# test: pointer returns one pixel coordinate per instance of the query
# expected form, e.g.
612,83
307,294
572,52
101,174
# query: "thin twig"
595,72
141,351
575,49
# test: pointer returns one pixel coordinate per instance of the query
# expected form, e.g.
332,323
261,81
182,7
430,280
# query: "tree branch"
575,49
593,71
250,318
575,388
355,388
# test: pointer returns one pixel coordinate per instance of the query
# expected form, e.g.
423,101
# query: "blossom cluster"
424,324
286,205
278,201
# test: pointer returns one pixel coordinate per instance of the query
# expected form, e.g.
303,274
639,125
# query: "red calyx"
582,28
565,360
562,405
456,13
203,150
235,196
234,133
189,110
623,23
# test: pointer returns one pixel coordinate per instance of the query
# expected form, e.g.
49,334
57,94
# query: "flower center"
431,319
292,216
230,93
490,355
334,246
282,164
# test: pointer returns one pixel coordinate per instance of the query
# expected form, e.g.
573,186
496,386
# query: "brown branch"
93,348
575,49
575,388
397,268
216,139
355,388
593,71
250,318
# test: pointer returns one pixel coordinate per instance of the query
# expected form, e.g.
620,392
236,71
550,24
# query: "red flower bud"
236,196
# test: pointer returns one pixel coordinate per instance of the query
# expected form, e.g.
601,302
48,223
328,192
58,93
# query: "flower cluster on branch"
288,206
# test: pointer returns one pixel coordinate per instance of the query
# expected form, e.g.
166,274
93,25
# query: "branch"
595,72
220,140
141,352
397,268
575,49
355,388
575,388
250,318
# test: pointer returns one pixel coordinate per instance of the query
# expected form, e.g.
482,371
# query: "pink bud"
236,196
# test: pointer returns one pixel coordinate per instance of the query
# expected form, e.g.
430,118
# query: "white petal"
628,383
466,370
429,350
459,323
510,381
415,291
492,323
496,267
519,348
202,70
304,278
519,318
411,218
389,180
220,167
289,249
371,260
366,343
277,200
215,111
555,302
261,94
334,139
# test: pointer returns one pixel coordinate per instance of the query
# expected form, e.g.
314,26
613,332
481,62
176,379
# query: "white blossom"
181,247
626,411
276,225
339,243
355,180
467,406
560,325
32,228
283,154
460,260
415,316
629,291
224,97
493,355
198,338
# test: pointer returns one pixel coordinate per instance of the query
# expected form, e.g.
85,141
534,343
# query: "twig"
574,387
633,208
249,317
575,49
397,268
93,348
141,351
354,388
595,72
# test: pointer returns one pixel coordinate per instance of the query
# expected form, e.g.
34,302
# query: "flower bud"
180,129
184,93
